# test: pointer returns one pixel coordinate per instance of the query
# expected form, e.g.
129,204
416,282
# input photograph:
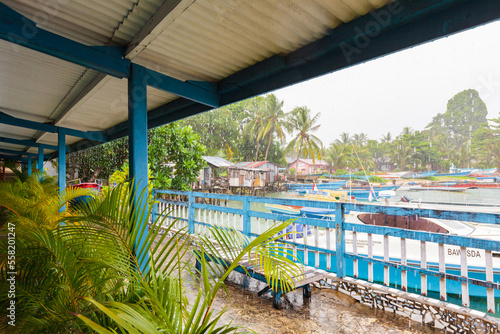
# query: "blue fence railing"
446,265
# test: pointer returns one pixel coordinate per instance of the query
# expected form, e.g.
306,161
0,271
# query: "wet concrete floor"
327,311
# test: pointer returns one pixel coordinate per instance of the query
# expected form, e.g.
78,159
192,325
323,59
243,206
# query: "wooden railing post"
191,213
247,227
340,239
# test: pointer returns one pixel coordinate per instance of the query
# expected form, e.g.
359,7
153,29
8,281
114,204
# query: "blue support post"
191,213
39,163
247,224
138,156
61,141
154,210
30,163
340,239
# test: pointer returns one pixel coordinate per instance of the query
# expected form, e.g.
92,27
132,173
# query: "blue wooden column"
138,155
61,173
30,163
39,163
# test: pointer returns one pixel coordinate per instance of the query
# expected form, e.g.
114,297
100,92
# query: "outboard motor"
405,199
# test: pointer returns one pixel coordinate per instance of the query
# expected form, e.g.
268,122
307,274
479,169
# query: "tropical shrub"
82,268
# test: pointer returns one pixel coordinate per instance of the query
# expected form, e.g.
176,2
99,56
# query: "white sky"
407,88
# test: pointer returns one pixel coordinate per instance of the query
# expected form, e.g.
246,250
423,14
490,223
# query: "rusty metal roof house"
266,165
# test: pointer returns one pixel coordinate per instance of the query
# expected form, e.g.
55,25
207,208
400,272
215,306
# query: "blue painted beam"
26,142
197,92
14,121
138,159
61,165
18,29
13,158
19,153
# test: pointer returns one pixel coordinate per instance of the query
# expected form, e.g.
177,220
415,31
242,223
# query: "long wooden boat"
419,175
454,174
363,192
308,177
469,185
309,186
475,257
440,188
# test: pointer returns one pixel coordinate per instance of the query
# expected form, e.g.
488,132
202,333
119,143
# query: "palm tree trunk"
257,154
297,165
268,145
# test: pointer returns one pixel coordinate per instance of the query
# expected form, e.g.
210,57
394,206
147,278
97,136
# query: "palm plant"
387,138
337,156
401,154
345,139
359,140
299,120
83,268
254,127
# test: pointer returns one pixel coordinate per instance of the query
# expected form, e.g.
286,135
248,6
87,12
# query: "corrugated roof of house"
317,162
218,161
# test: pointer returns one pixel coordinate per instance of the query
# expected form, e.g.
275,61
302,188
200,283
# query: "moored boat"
309,186
475,257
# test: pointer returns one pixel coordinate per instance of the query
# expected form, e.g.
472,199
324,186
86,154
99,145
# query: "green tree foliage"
218,129
465,113
175,156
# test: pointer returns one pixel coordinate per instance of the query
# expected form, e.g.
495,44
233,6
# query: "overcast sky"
407,88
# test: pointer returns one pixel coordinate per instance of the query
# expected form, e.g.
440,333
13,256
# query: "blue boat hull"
453,288
308,186
364,193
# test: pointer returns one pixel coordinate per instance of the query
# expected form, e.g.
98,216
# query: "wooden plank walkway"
308,275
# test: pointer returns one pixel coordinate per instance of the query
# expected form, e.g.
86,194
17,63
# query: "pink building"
306,166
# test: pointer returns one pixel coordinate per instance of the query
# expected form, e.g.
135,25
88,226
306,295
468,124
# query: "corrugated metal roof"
218,162
199,40
254,164
213,39
316,162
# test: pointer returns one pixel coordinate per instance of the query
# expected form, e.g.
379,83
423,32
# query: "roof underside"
244,47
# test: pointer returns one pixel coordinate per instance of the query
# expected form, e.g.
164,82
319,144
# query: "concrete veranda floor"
328,311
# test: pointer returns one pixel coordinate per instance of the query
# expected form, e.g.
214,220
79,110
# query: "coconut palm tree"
336,155
273,120
345,139
299,121
387,138
359,140
256,122
401,154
